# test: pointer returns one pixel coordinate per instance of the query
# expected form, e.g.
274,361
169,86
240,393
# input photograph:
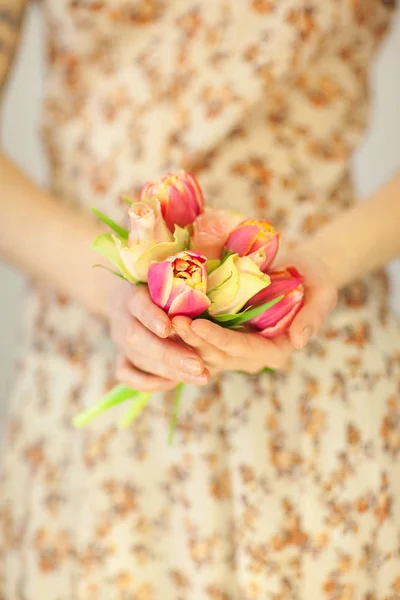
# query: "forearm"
364,237
49,240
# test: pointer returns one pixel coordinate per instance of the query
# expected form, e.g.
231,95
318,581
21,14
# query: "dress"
284,486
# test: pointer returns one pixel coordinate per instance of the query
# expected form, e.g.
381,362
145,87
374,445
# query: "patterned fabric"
283,486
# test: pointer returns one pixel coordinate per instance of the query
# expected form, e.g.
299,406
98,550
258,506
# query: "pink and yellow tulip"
180,197
149,240
276,320
257,239
233,283
211,230
179,284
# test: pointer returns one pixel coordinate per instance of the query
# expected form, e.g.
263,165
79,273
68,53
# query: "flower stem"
120,393
137,405
175,410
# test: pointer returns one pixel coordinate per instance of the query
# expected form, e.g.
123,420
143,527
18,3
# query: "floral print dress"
283,486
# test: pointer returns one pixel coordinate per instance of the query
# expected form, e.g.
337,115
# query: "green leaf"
123,233
110,271
175,410
120,393
226,318
254,312
137,406
127,200
226,254
246,315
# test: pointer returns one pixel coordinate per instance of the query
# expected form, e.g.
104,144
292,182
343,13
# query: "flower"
211,230
147,223
233,283
149,240
255,238
276,320
178,284
180,197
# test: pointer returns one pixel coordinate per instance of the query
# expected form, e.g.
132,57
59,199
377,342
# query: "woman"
282,485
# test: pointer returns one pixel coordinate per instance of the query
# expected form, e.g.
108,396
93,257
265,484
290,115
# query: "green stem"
175,410
136,407
119,393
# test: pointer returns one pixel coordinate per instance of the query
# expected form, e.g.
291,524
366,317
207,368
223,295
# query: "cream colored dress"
280,486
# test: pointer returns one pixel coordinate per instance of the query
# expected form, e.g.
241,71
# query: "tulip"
149,240
180,197
178,284
147,223
211,230
233,283
255,238
276,320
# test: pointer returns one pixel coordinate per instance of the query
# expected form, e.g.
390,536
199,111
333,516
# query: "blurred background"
376,160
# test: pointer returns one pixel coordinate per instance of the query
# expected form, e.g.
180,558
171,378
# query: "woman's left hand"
224,349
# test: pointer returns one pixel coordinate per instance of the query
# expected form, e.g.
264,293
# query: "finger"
164,358
250,347
319,302
209,353
149,314
275,355
129,375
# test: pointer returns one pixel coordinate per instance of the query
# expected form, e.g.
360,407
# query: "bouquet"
196,262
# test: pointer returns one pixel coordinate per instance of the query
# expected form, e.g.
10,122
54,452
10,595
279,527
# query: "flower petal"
223,284
242,239
160,281
142,221
190,303
270,249
284,323
108,245
160,251
249,286
278,312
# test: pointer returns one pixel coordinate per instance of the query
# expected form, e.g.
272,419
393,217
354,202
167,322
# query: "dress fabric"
283,486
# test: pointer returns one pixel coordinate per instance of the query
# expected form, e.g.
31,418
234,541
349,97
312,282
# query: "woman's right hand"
149,359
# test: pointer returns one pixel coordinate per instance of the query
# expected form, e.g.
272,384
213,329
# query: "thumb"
318,305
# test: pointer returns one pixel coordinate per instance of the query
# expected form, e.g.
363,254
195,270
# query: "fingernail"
158,326
305,336
191,365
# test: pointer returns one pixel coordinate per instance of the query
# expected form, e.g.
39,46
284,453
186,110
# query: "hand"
149,359
224,349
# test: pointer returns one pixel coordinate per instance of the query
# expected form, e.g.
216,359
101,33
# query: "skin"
154,353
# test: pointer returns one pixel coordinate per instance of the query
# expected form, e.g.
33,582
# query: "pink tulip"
179,284
211,230
180,197
255,238
277,319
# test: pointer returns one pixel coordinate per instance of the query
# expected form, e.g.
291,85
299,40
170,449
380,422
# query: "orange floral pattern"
282,486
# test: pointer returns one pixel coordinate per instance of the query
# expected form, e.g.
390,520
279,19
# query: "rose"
211,230
233,283
149,240
178,284
257,239
277,319
180,197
